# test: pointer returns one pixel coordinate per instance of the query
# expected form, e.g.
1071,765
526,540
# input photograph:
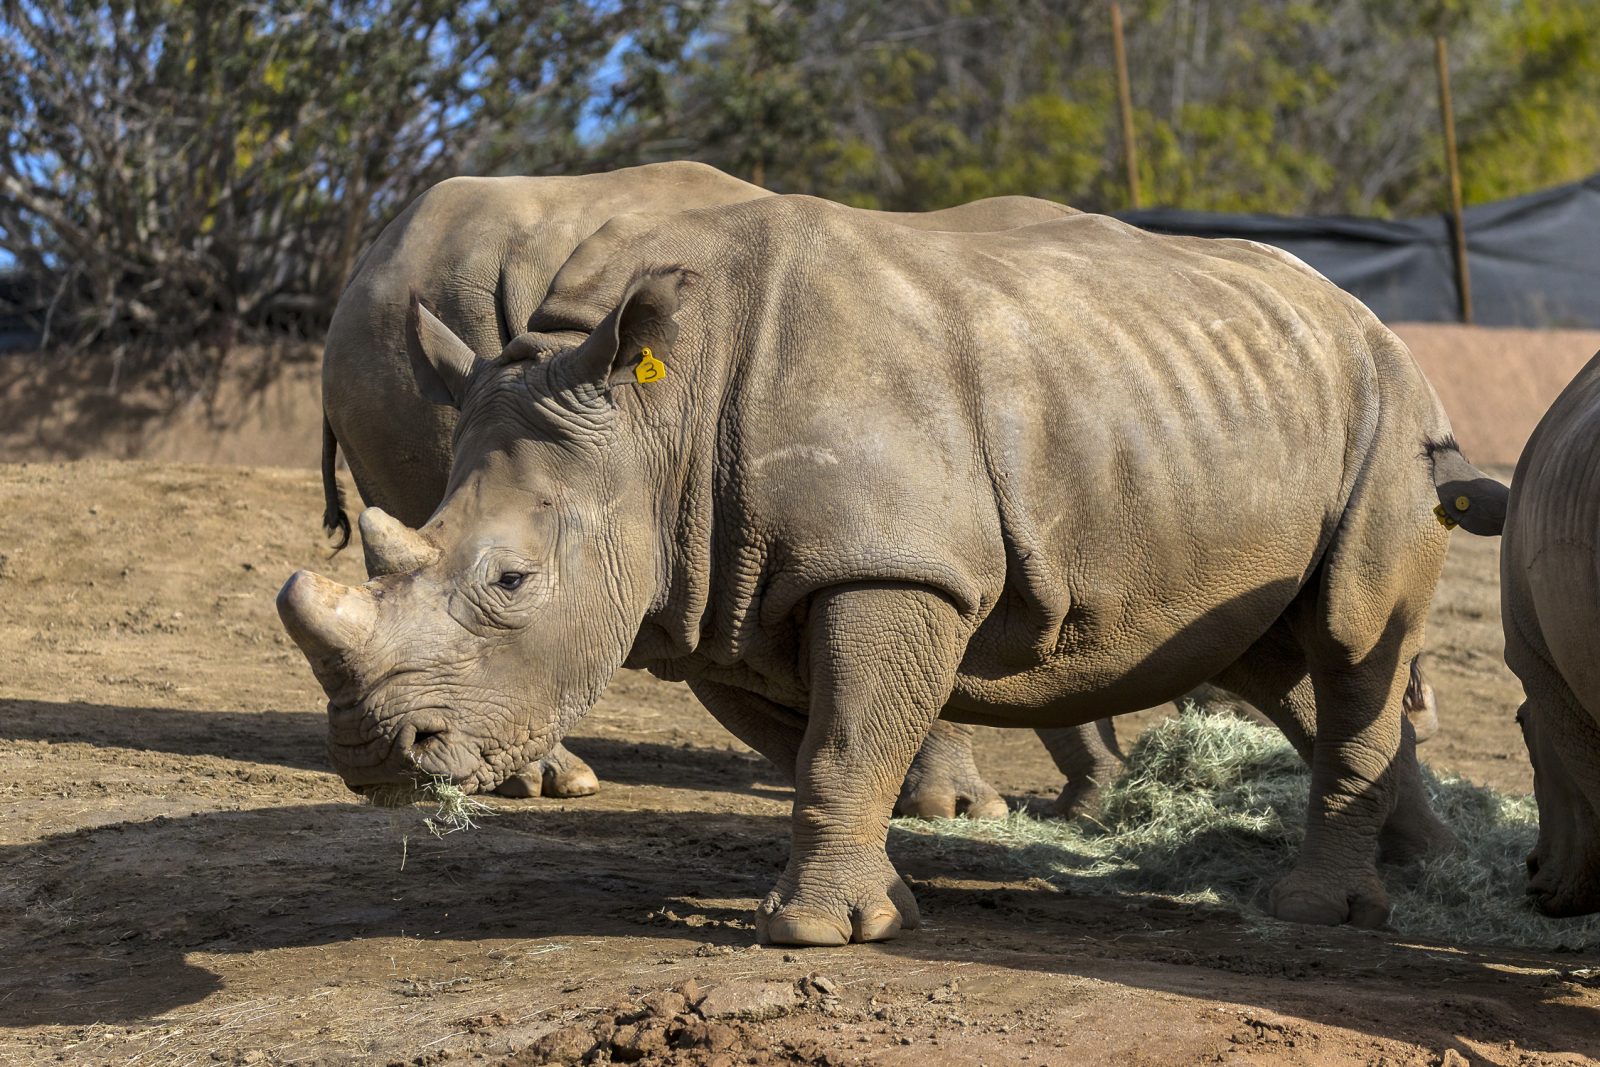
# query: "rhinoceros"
847,477
1550,608
482,252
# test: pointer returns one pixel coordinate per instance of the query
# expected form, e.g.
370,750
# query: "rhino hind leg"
1090,758
944,781
1358,626
560,774
1275,678
1412,831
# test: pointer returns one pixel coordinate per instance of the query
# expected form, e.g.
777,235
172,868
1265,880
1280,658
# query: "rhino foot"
1089,757
1319,900
1082,797
836,902
560,774
944,782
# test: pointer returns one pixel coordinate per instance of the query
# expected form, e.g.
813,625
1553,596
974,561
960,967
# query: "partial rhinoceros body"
1550,607
1025,478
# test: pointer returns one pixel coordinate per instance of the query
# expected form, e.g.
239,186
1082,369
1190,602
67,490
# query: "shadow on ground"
105,919
298,739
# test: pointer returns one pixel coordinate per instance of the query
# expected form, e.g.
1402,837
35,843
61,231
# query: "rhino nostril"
425,738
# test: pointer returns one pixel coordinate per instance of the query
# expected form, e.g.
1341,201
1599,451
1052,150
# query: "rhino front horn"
390,546
327,620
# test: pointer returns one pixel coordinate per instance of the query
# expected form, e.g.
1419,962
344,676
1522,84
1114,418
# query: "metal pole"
1458,230
1125,103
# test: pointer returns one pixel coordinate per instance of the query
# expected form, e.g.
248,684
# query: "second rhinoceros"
1550,608
845,477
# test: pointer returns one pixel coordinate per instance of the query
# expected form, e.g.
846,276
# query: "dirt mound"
265,411
685,1027
1496,383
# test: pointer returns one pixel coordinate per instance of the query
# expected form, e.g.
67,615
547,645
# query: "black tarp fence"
1535,259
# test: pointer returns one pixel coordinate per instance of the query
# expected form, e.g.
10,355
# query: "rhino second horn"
327,620
390,546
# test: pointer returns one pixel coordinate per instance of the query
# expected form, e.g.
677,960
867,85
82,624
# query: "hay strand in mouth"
453,809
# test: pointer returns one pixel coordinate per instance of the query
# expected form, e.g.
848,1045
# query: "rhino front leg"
944,781
560,774
1089,757
883,659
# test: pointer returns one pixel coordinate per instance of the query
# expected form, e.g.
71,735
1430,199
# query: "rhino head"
485,634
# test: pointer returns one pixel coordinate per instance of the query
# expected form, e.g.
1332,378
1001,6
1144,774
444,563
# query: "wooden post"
1458,229
1125,103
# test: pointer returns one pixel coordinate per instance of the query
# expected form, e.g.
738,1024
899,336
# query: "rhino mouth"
422,745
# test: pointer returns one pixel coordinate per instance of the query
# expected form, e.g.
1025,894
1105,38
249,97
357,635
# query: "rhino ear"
642,322
441,361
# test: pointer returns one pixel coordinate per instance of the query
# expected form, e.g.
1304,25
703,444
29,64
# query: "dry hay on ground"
1212,809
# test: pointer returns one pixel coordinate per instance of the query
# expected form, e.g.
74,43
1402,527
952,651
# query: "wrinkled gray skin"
1550,608
1025,478
481,252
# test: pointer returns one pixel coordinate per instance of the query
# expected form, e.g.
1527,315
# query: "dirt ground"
182,881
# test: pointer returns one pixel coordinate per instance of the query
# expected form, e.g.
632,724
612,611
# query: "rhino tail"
1468,497
335,523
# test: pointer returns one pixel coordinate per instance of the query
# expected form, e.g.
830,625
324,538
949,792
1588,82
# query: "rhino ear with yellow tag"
632,346
649,368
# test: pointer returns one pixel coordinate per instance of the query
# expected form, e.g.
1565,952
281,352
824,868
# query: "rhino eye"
511,580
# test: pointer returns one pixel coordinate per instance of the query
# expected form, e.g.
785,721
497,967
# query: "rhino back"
992,213
1111,450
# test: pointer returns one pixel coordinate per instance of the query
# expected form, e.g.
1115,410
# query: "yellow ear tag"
1462,503
650,369
1446,520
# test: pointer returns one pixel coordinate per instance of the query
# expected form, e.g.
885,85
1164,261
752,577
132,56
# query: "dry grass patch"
1212,809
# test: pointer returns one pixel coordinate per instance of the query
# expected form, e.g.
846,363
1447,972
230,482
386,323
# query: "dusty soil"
1497,382
266,407
182,881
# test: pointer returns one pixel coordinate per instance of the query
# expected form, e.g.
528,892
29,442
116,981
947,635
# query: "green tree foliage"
1535,120
1261,105
180,173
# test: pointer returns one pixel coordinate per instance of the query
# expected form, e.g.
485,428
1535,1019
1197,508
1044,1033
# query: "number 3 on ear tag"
650,369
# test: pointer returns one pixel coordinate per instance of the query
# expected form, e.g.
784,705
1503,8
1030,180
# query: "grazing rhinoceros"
1550,608
482,252
844,476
